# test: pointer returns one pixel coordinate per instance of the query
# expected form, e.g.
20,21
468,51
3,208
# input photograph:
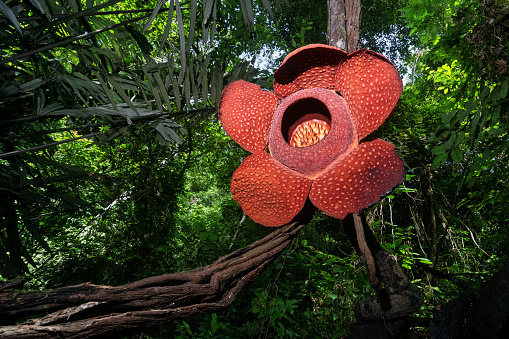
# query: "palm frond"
10,16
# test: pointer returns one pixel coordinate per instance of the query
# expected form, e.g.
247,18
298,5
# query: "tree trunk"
87,310
343,24
353,20
336,24
385,315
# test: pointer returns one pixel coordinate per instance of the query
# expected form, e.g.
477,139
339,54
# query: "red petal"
371,86
268,192
358,180
308,67
246,113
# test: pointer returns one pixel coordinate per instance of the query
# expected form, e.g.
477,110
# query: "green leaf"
10,16
140,39
484,93
247,12
471,105
447,116
194,87
448,144
176,93
217,83
122,93
153,15
440,160
204,235
8,90
39,7
187,89
457,154
161,86
438,150
167,28
182,40
50,108
500,92
214,22
459,138
424,261
204,83
192,25
155,90
165,127
164,248
74,5
475,122
36,235
494,119
44,7
106,89
77,88
460,116
31,85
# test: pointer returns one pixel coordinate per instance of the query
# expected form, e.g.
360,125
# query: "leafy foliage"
83,83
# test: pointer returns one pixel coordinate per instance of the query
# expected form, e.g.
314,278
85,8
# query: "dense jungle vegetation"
114,166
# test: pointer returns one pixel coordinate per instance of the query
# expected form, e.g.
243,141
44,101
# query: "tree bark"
353,20
343,24
336,24
87,310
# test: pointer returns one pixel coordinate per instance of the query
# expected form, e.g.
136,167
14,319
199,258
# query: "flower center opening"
309,133
305,122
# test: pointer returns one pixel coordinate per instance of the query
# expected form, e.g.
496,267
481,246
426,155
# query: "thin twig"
66,16
68,41
36,148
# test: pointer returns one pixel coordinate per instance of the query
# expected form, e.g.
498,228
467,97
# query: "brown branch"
441,274
11,284
80,14
36,148
88,310
365,251
179,115
74,15
42,26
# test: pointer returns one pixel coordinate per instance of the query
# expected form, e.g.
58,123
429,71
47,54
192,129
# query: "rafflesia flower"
305,137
